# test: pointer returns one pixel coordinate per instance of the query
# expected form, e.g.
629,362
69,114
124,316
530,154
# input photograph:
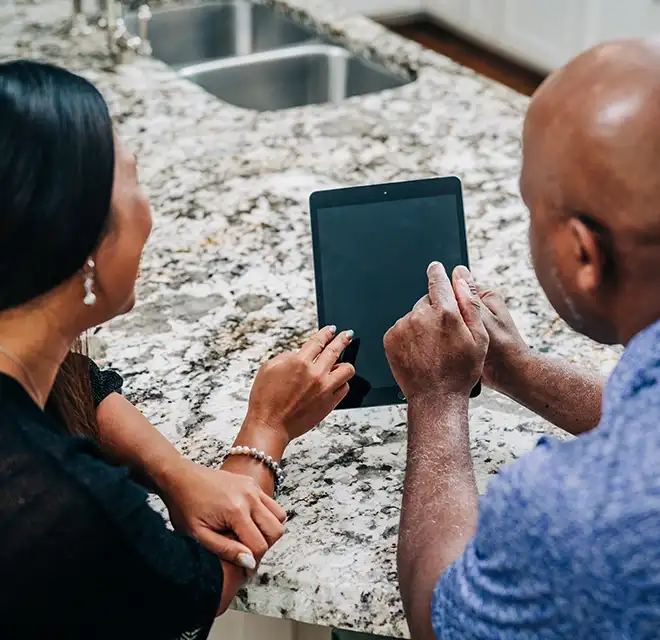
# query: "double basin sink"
255,57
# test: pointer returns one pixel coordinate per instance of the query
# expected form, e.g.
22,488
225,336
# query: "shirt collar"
638,368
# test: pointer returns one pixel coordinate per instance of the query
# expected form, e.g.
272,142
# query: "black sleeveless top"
82,555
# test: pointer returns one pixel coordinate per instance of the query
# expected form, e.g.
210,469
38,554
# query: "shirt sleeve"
514,579
103,381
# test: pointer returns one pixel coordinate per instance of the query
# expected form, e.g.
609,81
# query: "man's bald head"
591,179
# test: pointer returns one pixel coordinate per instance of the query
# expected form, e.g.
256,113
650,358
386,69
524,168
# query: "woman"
81,553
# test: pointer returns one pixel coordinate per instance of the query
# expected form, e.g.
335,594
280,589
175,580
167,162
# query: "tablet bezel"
369,194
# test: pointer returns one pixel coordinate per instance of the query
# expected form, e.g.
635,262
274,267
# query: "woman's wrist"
166,473
257,434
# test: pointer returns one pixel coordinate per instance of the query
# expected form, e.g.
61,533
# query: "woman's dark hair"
57,161
71,400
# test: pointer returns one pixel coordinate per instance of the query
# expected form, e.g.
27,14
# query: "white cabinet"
607,19
454,12
480,19
485,17
383,8
541,33
545,34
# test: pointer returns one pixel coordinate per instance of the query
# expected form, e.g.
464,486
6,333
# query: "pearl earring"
88,283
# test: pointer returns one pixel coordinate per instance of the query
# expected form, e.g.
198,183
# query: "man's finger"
441,292
492,299
228,549
463,273
313,347
329,356
469,303
422,302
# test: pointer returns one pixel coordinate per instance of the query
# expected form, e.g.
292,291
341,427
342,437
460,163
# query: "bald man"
566,541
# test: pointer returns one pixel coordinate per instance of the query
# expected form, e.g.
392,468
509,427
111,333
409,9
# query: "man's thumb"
229,550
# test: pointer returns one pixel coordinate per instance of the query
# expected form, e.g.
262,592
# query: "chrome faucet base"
109,17
79,25
120,41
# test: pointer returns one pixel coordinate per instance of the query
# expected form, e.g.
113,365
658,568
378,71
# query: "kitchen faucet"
120,41
78,25
111,18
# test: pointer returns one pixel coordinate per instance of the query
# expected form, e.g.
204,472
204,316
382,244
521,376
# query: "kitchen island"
227,281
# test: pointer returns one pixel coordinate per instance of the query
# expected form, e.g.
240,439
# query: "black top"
82,555
104,381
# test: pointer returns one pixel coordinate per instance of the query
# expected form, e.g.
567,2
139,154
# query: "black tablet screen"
372,259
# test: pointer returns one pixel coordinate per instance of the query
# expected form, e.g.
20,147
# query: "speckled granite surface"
227,281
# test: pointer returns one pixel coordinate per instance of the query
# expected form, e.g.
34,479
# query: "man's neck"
636,321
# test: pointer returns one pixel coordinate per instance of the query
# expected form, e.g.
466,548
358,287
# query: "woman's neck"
32,349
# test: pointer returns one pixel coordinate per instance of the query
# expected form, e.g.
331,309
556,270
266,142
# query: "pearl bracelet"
262,457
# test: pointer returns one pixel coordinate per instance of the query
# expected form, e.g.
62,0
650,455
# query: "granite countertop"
228,281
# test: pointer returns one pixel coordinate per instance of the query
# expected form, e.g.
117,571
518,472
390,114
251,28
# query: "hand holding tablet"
372,246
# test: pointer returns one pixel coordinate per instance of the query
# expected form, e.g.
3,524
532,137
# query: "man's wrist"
439,402
515,375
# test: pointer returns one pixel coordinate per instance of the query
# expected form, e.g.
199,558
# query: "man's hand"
555,390
437,354
507,351
440,346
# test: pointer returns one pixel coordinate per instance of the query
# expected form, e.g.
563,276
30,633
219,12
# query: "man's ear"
588,256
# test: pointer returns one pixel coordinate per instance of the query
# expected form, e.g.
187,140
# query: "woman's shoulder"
104,381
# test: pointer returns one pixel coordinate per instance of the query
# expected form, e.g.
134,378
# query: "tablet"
372,246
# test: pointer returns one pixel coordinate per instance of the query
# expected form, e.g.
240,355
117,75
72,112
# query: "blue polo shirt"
568,538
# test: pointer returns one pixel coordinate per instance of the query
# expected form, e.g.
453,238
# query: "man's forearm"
567,396
440,503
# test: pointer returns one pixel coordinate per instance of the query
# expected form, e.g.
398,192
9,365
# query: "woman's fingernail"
247,561
333,328
350,333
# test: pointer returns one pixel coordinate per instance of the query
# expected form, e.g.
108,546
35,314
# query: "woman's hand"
205,504
293,392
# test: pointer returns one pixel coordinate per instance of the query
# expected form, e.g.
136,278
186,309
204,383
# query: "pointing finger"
441,292
329,356
313,347
469,303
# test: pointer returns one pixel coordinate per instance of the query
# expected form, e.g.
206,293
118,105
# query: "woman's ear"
588,257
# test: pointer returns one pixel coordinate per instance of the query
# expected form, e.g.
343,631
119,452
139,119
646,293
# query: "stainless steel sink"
291,77
254,57
185,35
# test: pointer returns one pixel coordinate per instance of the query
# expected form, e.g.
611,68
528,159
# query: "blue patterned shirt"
568,538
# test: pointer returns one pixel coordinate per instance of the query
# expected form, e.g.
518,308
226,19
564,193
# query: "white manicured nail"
247,561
